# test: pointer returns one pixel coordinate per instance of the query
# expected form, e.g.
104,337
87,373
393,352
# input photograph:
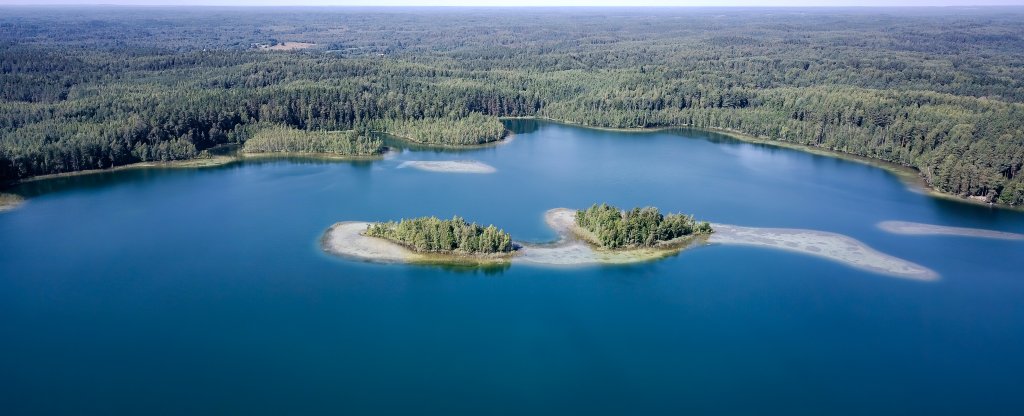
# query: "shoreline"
197,163
310,155
910,176
200,163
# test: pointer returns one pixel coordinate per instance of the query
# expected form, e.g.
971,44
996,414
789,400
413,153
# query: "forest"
637,227
281,139
938,90
430,234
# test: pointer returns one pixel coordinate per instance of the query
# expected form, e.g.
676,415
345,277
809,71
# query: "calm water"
204,291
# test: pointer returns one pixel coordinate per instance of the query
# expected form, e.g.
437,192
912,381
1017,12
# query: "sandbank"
916,228
835,247
449,166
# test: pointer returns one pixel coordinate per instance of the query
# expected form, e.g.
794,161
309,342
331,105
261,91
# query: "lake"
170,291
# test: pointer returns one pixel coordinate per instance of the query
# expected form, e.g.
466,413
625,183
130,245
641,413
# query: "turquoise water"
171,291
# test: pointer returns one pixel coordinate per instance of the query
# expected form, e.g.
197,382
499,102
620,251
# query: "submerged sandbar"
916,228
835,247
449,166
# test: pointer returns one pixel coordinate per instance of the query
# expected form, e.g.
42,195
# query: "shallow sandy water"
916,228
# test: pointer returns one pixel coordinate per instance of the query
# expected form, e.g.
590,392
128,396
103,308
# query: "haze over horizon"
532,3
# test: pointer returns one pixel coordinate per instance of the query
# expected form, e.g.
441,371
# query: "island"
420,240
601,234
604,234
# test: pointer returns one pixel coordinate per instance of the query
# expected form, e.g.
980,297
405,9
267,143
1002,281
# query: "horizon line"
513,6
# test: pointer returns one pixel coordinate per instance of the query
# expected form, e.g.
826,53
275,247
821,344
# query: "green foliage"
274,139
429,234
940,91
473,129
638,227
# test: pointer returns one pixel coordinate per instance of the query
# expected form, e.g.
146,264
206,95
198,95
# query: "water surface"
169,291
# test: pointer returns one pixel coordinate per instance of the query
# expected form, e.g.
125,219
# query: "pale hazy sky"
796,3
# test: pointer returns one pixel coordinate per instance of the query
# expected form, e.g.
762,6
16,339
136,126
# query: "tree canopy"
430,234
637,227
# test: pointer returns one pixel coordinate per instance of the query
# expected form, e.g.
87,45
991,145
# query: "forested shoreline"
940,91
280,139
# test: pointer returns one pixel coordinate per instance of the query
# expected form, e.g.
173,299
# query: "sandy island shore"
449,166
572,247
346,239
916,228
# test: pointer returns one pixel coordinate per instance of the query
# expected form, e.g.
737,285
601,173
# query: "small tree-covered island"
451,237
599,234
610,227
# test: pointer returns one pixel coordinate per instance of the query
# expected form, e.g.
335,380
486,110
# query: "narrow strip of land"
916,228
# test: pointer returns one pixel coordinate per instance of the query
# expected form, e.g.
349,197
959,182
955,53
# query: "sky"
731,3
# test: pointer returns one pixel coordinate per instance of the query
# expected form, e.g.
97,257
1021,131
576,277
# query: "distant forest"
940,90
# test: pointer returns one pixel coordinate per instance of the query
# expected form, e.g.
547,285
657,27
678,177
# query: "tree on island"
430,234
638,227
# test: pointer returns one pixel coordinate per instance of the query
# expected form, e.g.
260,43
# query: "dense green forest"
472,129
278,139
429,234
940,90
637,227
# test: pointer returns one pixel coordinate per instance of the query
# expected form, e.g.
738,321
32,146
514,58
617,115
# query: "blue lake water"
178,291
